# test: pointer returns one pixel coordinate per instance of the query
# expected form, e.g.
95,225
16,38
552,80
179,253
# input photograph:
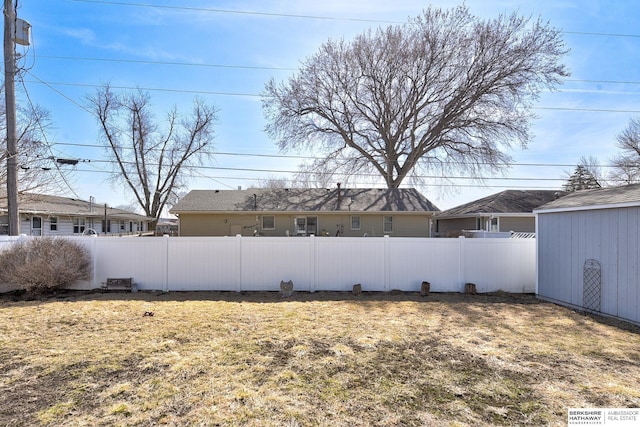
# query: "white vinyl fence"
313,263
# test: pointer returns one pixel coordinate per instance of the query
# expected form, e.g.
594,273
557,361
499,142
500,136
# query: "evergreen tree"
581,179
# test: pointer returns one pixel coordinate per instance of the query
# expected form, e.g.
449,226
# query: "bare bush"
43,264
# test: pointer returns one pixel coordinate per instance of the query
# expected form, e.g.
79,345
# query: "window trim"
359,227
384,223
262,222
79,225
53,224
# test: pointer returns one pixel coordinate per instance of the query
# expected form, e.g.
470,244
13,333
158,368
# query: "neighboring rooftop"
305,200
600,198
508,201
43,204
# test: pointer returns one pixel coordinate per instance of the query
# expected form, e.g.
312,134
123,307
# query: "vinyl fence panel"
343,262
7,241
120,257
266,261
312,263
500,265
414,261
203,264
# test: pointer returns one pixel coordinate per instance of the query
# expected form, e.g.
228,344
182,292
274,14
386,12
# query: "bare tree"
446,91
306,177
151,160
626,165
273,182
34,158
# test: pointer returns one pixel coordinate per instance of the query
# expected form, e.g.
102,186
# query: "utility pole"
10,103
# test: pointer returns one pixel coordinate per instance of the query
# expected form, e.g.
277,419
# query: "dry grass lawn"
327,359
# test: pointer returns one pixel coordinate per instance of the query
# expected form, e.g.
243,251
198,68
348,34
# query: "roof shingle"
508,201
33,203
305,200
600,197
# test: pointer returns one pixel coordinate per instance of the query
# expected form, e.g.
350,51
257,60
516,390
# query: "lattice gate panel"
592,285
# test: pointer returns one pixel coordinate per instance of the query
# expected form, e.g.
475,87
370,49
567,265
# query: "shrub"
45,263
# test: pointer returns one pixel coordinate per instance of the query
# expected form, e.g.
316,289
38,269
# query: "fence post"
312,265
166,264
94,261
239,265
462,266
387,263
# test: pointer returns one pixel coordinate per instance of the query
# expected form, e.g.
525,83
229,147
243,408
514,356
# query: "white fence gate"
312,263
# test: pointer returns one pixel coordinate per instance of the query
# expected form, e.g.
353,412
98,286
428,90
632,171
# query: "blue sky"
225,51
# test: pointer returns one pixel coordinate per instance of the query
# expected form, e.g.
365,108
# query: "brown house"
507,211
303,212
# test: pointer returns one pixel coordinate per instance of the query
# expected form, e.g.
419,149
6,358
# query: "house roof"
505,202
43,204
600,198
305,200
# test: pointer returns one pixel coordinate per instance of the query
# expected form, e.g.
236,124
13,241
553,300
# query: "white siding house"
45,215
588,251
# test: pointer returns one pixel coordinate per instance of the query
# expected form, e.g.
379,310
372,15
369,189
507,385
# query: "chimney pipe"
339,195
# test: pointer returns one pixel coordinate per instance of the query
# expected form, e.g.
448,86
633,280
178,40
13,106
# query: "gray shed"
588,255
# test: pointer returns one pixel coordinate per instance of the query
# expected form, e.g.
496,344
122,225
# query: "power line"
44,136
366,175
257,67
379,183
149,89
301,157
240,12
318,17
588,33
257,95
587,110
185,64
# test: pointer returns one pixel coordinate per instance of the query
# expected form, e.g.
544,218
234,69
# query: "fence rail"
312,263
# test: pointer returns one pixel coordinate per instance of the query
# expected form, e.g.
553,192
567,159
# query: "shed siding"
610,236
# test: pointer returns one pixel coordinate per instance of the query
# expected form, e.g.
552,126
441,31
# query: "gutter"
633,204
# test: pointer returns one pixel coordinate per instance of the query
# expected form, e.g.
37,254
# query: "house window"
53,223
494,224
122,226
106,228
78,225
387,224
355,222
268,222
306,226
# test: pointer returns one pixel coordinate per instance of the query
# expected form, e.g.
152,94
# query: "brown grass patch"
314,359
